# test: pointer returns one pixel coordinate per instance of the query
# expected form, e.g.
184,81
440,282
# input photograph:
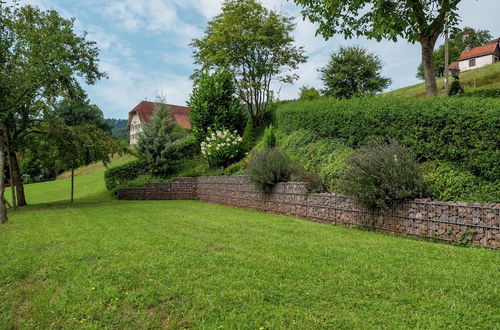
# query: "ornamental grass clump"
382,174
222,147
269,167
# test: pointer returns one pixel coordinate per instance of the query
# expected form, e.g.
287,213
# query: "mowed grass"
102,263
487,77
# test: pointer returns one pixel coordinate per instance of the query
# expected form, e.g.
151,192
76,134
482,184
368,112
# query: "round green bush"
268,167
382,174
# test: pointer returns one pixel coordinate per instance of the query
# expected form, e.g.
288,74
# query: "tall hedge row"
465,131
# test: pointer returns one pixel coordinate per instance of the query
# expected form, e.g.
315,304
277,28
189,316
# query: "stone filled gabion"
473,223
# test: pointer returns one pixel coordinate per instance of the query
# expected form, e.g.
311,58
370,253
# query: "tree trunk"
72,182
3,208
17,179
12,187
429,72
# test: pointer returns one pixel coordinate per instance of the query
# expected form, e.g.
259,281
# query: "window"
472,62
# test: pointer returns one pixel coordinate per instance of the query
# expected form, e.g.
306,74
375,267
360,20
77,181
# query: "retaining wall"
450,221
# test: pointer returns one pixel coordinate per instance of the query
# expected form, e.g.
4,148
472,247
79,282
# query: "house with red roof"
142,113
478,57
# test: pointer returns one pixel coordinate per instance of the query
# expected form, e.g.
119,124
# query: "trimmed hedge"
458,130
493,92
115,176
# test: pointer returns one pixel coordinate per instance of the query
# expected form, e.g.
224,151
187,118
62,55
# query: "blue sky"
145,46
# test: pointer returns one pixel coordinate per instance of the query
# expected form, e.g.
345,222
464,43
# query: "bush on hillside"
268,167
448,182
269,138
456,88
119,175
382,174
214,105
222,148
249,135
325,157
162,144
493,92
308,93
459,130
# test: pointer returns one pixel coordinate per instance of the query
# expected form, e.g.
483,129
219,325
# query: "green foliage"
268,167
458,130
269,138
414,21
162,144
256,45
384,20
455,88
449,182
222,148
120,175
249,135
78,111
75,146
213,105
324,156
353,71
494,92
382,174
308,94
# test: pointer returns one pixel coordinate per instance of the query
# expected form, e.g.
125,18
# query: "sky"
144,46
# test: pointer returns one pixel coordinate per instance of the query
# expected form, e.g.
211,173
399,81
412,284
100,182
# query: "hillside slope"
483,78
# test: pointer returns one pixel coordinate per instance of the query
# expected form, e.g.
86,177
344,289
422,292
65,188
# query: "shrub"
154,145
249,135
269,138
381,174
493,92
222,147
458,130
268,167
325,157
213,104
456,88
447,182
308,93
118,175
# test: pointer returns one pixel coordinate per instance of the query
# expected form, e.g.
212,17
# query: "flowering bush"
221,147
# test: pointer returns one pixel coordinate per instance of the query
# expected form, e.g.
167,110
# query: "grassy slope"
483,78
107,263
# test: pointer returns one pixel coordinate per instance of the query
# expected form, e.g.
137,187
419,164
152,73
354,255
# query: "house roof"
478,51
145,110
453,65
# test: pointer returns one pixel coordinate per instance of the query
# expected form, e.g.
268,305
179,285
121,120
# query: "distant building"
143,112
478,57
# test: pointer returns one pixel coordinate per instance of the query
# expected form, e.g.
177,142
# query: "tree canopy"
353,71
214,104
42,59
256,45
413,20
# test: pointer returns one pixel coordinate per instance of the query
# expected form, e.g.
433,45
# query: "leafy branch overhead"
419,21
253,43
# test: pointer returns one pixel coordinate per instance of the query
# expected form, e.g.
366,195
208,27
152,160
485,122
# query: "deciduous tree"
42,57
419,21
353,71
256,45
460,39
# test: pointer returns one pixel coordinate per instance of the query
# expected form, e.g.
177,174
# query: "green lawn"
483,78
182,264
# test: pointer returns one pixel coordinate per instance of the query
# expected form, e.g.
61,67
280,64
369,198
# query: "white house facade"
479,57
135,129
